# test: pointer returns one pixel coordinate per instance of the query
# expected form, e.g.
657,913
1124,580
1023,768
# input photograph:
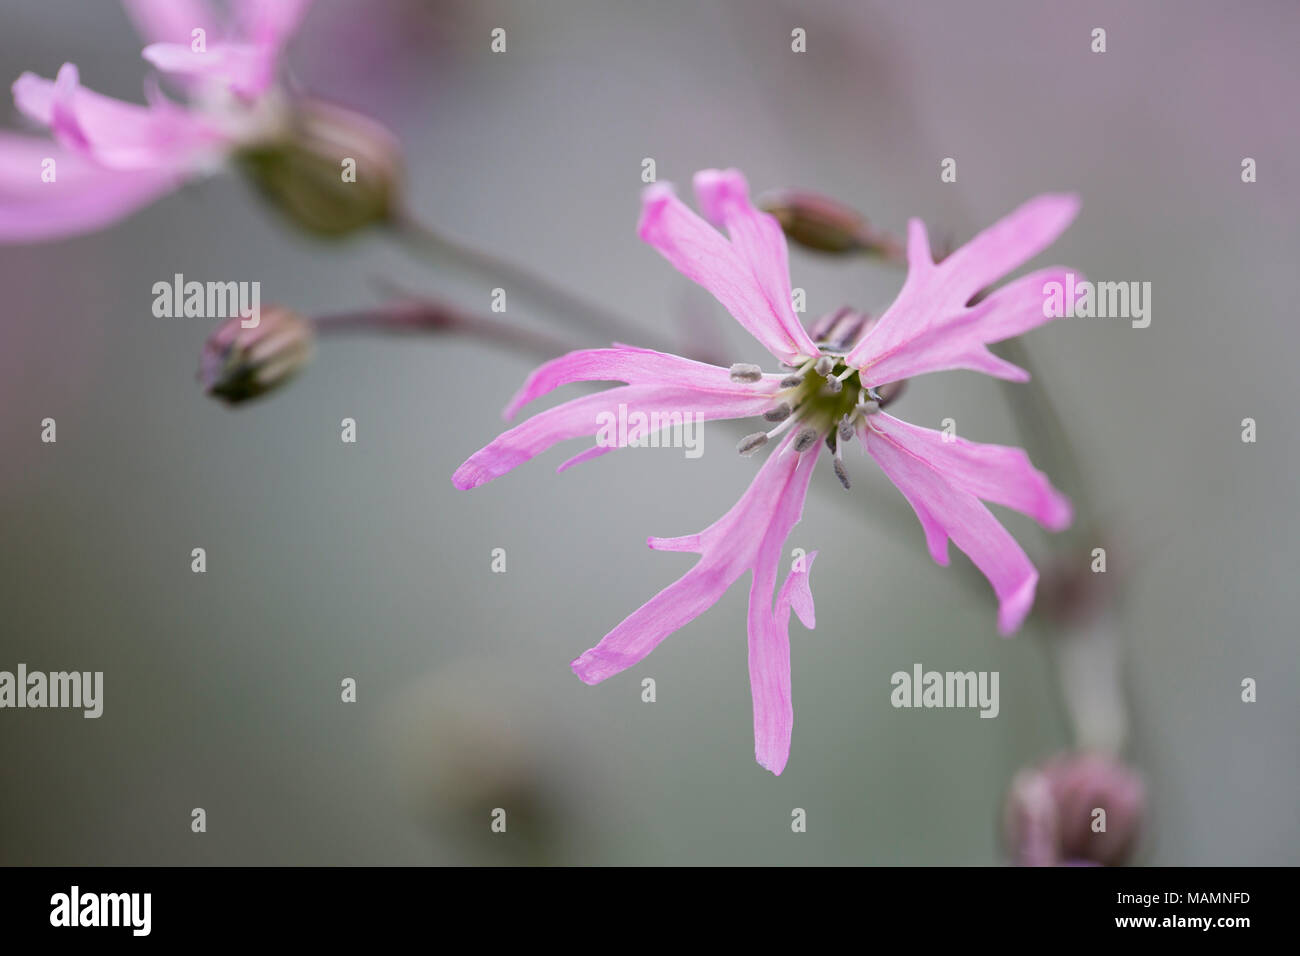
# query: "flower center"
823,399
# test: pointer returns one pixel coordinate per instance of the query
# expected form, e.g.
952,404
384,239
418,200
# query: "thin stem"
590,318
426,316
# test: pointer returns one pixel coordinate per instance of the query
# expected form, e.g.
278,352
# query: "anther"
869,408
825,365
744,372
751,443
841,472
778,414
846,430
833,386
790,381
805,440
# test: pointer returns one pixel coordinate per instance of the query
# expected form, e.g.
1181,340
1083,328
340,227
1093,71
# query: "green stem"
424,316
585,316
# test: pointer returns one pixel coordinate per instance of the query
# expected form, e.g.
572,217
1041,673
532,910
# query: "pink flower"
828,397
112,157
1078,809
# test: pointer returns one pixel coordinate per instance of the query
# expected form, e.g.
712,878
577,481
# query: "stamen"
846,429
824,365
869,408
772,433
805,440
751,443
841,473
744,372
833,386
791,381
778,414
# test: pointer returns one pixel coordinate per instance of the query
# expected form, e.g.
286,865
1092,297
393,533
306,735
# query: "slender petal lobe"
634,366
996,473
704,255
589,414
947,510
929,327
83,197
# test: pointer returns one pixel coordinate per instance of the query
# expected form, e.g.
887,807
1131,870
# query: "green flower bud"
241,363
818,222
331,172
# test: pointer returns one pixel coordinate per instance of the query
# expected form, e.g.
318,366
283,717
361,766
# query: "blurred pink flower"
829,396
112,157
1078,808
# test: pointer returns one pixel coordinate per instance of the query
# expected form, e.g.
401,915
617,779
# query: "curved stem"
424,316
586,316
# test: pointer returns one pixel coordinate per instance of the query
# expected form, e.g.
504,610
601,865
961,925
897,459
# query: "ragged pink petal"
270,24
246,68
704,255
997,473
723,195
769,629
947,510
114,133
635,366
796,593
961,340
727,548
592,413
929,326
171,21
84,196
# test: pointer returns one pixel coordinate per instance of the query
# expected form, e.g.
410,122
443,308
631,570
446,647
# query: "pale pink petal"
769,630
960,341
171,21
582,416
1008,244
704,255
623,363
723,195
727,549
115,133
796,593
84,196
997,473
931,307
270,23
244,67
949,511
593,452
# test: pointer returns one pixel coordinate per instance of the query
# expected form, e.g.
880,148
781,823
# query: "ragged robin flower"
828,395
109,158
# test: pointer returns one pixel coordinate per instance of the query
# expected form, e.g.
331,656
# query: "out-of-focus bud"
332,172
838,330
889,393
1078,808
818,222
242,363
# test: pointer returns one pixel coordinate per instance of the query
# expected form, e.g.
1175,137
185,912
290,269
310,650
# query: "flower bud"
818,222
332,172
1076,808
242,363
